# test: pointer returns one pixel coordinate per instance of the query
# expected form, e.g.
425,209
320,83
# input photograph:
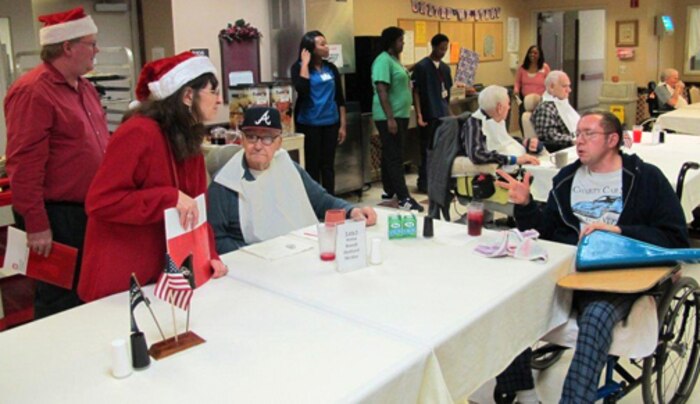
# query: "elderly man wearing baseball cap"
56,138
261,193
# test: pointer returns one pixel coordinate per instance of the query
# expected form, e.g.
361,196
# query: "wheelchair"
670,372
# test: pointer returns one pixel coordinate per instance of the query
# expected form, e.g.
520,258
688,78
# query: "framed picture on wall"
626,33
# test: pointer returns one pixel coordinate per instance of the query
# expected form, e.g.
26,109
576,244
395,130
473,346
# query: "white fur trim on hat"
179,75
66,31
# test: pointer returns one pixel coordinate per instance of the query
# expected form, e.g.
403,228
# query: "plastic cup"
637,133
326,241
475,218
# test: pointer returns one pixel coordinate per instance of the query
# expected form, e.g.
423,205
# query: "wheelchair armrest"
462,166
617,280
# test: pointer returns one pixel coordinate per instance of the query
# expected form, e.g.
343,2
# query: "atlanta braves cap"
262,118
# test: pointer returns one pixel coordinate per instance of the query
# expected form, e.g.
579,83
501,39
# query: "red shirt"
56,138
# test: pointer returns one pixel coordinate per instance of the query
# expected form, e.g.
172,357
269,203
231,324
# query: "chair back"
528,127
218,156
694,93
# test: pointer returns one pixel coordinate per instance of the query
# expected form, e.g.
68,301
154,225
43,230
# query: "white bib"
566,112
274,204
498,139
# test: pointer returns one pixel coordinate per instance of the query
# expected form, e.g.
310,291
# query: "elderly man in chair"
261,193
554,118
641,204
670,94
485,139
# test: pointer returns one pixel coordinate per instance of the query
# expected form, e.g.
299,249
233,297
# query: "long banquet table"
682,120
475,314
260,348
668,157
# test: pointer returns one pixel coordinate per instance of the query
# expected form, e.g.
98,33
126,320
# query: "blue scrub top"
322,109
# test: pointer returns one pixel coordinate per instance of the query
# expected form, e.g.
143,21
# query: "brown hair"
53,51
182,125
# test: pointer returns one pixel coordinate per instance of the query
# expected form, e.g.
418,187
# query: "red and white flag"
182,243
176,285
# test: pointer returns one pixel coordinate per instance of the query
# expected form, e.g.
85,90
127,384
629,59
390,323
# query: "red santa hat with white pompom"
64,26
163,77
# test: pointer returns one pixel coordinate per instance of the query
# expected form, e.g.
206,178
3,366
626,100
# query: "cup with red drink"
326,241
475,218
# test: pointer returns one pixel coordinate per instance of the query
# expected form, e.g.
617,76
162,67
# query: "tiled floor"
549,383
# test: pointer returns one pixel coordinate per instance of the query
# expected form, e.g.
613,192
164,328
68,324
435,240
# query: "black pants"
426,135
68,222
392,158
319,146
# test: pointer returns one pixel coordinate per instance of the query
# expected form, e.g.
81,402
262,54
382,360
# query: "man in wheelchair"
603,190
485,139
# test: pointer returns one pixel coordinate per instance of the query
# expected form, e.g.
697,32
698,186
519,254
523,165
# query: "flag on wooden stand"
136,297
176,285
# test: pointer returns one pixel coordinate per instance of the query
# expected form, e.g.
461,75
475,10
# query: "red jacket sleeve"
134,182
29,119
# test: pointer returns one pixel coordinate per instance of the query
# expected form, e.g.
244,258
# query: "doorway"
574,41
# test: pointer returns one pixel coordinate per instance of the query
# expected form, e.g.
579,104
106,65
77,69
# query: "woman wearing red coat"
153,162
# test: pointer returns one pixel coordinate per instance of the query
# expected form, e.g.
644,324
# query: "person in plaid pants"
650,212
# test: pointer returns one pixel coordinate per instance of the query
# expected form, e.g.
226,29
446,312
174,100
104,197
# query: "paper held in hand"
181,243
351,246
57,269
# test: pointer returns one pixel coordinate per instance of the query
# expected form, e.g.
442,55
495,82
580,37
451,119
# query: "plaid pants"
598,314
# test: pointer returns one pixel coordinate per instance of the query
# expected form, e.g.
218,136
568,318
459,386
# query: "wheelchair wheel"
669,375
545,354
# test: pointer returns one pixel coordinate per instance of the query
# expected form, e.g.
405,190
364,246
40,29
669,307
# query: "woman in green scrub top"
391,108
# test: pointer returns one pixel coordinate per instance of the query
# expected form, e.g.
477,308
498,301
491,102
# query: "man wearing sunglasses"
606,190
261,193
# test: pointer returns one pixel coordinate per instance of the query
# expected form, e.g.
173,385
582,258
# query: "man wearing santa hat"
56,138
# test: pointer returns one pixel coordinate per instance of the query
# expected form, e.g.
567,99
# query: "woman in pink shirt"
529,79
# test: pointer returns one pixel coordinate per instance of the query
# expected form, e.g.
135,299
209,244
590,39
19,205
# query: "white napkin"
513,243
279,247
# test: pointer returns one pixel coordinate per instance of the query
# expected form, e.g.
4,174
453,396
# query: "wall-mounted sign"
447,13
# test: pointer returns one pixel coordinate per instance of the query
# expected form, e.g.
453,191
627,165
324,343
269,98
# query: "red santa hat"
65,26
163,77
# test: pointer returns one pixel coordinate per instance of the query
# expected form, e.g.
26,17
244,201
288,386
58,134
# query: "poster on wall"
513,34
408,56
335,55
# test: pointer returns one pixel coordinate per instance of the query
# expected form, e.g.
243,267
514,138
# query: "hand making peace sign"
518,192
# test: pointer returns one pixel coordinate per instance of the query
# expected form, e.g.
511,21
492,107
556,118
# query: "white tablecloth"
668,157
476,314
260,348
682,120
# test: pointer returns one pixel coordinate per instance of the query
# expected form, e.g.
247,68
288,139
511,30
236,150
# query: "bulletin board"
485,38
417,39
488,41
460,33
426,30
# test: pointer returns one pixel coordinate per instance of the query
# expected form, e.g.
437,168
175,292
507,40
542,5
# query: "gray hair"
553,78
491,96
668,72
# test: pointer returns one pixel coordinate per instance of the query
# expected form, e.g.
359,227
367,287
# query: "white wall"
197,25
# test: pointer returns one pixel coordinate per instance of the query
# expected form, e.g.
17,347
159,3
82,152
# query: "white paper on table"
407,56
173,228
279,247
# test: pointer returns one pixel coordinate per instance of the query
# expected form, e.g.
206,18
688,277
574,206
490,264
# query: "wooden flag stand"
173,345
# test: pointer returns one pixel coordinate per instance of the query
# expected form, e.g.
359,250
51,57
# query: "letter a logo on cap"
264,118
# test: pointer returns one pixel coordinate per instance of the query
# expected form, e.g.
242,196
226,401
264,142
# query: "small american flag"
176,284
